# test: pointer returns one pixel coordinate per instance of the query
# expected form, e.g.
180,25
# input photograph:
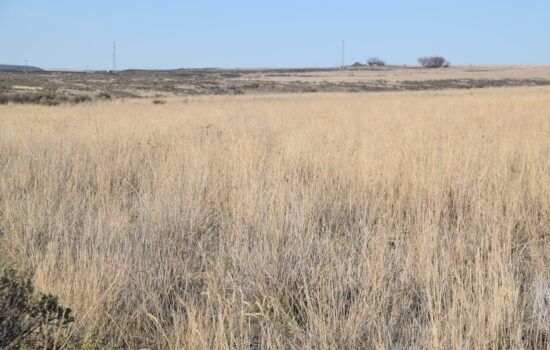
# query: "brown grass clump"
388,221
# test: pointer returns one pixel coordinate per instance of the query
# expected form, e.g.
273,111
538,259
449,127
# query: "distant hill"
12,67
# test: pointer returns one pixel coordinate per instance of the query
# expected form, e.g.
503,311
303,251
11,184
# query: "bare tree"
375,61
433,62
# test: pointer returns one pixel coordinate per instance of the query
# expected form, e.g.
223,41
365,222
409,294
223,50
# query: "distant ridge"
12,67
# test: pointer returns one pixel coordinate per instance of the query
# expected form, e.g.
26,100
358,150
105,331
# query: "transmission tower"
114,56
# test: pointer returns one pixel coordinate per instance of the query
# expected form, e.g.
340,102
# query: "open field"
384,220
58,87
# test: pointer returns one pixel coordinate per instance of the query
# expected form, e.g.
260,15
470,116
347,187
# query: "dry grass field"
395,74
392,220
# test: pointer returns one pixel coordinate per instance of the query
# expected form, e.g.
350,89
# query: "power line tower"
114,56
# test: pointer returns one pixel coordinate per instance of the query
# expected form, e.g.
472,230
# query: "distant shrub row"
373,61
428,62
46,98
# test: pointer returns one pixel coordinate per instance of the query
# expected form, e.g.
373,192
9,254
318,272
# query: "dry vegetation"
383,220
50,87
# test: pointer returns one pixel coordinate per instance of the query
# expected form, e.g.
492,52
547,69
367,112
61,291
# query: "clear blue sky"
283,33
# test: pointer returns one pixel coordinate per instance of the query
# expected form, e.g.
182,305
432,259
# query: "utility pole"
114,56
343,53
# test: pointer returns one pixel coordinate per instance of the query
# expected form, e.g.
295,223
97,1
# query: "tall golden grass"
387,220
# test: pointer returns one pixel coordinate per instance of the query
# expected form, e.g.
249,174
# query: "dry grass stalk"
399,220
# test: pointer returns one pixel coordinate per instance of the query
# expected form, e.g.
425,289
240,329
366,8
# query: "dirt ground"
57,86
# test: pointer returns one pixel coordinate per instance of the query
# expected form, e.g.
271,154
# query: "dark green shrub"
28,318
103,95
80,99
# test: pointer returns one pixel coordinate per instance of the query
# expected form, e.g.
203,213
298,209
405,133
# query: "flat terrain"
381,220
41,87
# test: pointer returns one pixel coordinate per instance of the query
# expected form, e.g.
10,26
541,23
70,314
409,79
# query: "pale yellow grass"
394,220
